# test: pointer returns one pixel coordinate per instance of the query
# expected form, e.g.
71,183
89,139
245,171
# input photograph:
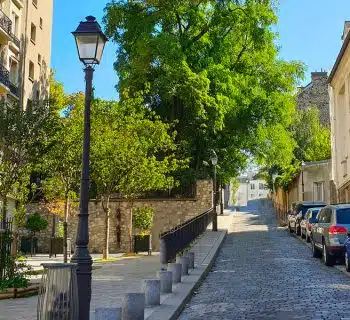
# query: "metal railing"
5,22
5,247
5,79
179,238
16,41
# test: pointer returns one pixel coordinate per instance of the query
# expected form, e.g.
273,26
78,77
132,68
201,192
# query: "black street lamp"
214,161
90,42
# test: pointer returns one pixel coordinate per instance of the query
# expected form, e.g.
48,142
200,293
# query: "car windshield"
343,216
305,208
315,213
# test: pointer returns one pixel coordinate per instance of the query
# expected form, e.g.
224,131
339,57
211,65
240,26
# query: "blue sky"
310,31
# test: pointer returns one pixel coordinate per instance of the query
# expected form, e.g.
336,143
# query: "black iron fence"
5,22
179,238
5,247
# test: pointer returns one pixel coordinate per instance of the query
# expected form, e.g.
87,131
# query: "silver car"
307,223
329,233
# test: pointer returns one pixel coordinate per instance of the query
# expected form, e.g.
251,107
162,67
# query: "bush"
36,223
142,219
16,275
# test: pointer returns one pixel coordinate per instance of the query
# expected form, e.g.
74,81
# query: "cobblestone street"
263,273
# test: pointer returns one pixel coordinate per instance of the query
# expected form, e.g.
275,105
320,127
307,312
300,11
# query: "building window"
37,95
318,191
13,72
344,164
261,186
33,33
41,23
35,3
39,59
252,186
252,196
15,24
31,70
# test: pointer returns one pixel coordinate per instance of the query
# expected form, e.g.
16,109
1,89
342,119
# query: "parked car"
347,253
298,214
329,233
307,223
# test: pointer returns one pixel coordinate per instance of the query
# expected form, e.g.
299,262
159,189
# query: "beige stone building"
339,91
25,49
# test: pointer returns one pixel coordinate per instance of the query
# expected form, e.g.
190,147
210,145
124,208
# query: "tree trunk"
65,230
131,244
106,248
14,246
4,210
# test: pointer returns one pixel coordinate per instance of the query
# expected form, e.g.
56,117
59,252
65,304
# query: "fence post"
163,252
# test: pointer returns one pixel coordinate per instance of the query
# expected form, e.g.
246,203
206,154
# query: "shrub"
36,223
142,219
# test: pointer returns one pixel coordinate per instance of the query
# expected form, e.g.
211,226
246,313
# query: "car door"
316,230
329,219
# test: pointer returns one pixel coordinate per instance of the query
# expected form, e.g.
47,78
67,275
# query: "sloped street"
263,273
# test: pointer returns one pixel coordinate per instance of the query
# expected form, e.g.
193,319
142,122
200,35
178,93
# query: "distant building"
250,189
316,94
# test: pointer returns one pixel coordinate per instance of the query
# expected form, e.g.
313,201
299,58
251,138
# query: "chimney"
318,75
346,29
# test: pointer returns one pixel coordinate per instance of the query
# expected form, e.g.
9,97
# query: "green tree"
131,152
23,141
212,67
62,163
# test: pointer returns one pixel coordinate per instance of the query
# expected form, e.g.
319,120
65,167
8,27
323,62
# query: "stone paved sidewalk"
111,280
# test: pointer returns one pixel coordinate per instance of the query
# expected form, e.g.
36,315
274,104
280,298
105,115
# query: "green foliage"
142,219
234,186
36,223
312,138
131,149
60,229
16,277
211,68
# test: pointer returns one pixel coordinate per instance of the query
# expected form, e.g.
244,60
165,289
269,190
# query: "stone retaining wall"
167,214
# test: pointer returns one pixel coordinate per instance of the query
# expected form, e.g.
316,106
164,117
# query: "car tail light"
337,230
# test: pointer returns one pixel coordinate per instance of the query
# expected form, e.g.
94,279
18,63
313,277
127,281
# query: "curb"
172,304
338,267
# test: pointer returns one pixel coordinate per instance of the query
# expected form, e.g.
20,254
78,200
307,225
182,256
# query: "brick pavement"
262,273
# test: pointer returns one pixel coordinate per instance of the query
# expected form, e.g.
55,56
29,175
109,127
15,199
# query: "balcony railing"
5,80
5,22
16,41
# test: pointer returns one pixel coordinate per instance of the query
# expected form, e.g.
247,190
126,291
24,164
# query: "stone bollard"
190,256
133,306
176,269
166,280
108,314
151,288
184,262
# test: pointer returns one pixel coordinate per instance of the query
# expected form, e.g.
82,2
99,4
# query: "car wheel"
290,229
315,252
327,258
298,231
347,262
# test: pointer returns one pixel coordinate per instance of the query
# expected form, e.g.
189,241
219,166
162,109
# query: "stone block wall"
167,214
316,93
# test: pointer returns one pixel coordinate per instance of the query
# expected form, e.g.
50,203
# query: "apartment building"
339,91
25,49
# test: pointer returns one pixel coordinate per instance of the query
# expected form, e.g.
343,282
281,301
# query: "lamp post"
214,161
90,42
302,181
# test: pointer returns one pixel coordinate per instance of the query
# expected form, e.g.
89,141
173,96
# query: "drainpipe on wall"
24,56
